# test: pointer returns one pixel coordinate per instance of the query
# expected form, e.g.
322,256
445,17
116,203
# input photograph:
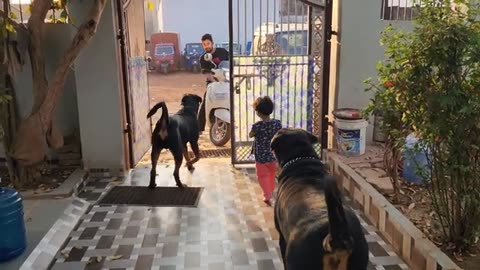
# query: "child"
263,132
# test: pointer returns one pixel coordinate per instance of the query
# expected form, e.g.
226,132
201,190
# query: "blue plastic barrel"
413,161
12,227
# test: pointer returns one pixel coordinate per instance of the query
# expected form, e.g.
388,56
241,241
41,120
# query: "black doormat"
213,153
160,196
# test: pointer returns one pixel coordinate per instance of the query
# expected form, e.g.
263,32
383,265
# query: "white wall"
360,50
98,93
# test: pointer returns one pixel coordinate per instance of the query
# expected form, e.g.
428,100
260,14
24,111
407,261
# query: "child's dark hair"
207,37
263,105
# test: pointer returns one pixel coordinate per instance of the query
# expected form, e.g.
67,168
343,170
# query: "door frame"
122,34
135,99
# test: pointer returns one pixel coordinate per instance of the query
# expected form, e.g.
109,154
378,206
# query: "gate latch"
247,78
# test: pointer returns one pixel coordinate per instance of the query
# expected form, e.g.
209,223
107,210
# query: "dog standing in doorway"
173,133
316,231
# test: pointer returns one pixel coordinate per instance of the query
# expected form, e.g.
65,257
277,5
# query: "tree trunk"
36,132
390,161
35,24
6,122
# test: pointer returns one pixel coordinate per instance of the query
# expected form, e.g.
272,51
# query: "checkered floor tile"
231,228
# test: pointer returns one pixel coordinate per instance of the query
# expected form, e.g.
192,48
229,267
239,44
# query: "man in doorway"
218,55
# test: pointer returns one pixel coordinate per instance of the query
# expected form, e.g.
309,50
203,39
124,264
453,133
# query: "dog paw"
152,186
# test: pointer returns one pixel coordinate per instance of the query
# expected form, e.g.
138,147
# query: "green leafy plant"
384,104
429,83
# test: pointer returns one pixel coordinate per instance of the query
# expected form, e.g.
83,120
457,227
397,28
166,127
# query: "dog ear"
184,98
276,138
313,138
274,143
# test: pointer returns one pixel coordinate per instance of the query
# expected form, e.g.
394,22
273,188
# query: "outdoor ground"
171,88
230,229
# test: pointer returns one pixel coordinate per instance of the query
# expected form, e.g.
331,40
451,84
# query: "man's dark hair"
263,105
207,37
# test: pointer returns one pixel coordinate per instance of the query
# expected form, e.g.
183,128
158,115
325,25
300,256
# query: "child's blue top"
264,132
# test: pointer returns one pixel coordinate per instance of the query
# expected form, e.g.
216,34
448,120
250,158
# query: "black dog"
174,133
316,232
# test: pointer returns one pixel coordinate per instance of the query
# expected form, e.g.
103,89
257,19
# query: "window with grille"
398,10
293,8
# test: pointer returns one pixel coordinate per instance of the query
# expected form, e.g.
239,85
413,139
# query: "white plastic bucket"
351,136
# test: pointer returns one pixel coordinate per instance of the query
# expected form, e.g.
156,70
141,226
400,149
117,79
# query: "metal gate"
277,49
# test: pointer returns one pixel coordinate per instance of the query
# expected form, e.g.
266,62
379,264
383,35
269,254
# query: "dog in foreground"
173,133
316,231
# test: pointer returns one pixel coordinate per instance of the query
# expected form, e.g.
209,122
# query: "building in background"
357,49
153,17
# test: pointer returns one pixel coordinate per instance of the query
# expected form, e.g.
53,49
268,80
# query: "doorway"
288,60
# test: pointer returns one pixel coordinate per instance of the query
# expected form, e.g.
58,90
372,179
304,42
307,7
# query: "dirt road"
171,88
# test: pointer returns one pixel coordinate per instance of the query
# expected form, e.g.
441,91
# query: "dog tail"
340,236
163,122
160,105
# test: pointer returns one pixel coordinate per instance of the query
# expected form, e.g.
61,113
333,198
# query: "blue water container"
12,227
413,161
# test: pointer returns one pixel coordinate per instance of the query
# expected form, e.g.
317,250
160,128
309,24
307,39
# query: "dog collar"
289,163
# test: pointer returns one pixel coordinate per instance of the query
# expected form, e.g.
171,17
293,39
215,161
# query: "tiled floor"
58,232
230,229
39,216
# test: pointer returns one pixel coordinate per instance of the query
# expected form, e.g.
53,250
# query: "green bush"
429,83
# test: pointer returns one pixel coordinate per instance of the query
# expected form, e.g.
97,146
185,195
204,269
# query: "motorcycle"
192,63
217,103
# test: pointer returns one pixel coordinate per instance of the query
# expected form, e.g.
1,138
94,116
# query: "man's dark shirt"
219,55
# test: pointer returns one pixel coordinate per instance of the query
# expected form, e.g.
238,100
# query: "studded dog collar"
289,163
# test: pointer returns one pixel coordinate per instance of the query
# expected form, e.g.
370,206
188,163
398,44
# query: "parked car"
288,39
166,52
237,48
191,56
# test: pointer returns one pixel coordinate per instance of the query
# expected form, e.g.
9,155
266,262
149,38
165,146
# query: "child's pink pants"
266,178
